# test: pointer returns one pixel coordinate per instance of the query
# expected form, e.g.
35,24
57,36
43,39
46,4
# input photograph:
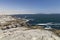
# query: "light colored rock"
3,19
21,33
7,22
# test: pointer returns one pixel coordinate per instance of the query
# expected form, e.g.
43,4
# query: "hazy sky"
29,6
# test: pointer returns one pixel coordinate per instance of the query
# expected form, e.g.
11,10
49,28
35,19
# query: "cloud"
11,12
27,11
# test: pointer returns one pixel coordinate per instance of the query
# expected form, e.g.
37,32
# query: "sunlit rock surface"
22,33
3,19
7,22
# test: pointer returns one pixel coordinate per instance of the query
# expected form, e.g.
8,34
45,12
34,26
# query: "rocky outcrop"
17,29
7,22
22,33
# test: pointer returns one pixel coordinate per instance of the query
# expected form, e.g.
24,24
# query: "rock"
7,22
20,33
17,29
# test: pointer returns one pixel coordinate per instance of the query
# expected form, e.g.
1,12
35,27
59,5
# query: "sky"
29,6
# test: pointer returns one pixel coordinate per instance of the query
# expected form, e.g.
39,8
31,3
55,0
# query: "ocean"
40,18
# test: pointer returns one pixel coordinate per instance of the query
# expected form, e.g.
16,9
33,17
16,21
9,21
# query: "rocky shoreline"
7,22
12,28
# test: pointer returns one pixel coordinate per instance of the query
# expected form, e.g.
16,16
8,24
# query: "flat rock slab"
21,33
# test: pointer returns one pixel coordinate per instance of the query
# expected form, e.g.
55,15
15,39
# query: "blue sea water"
40,18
